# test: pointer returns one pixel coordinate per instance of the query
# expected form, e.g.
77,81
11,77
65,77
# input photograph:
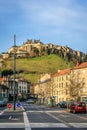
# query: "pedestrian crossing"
58,125
43,125
27,125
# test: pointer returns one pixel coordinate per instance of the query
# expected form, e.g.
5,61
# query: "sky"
60,22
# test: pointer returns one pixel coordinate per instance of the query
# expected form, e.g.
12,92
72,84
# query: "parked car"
78,107
62,104
2,103
30,101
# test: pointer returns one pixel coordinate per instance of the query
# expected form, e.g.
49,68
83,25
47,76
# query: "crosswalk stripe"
26,121
12,125
42,125
79,125
50,125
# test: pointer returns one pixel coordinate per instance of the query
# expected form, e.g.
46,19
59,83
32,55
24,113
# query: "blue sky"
61,22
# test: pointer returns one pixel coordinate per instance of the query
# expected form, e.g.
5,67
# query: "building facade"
65,85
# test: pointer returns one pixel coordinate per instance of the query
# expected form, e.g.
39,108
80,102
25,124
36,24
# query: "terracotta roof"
3,79
82,65
62,72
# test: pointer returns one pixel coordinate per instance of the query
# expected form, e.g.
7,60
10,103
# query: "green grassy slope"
33,67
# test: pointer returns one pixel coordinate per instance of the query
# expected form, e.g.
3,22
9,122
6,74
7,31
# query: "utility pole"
14,84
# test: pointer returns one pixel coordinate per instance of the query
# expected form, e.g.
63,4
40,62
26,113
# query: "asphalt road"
38,117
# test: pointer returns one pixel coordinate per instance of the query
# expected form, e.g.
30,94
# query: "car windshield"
81,104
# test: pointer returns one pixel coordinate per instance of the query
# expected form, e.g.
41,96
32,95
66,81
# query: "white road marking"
12,125
1,112
79,125
48,125
26,122
10,117
41,125
58,111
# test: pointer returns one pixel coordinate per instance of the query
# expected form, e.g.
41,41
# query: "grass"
33,67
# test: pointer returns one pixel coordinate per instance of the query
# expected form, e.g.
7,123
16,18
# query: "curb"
21,109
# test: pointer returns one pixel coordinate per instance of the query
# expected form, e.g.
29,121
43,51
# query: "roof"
82,65
3,78
62,72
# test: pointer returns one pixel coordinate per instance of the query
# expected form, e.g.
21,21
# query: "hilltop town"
36,48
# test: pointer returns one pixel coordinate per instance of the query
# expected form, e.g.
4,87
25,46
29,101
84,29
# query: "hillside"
31,68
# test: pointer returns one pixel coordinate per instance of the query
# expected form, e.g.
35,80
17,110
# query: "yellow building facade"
65,85
61,85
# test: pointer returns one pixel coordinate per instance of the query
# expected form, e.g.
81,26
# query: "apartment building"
23,89
61,85
67,84
42,88
79,82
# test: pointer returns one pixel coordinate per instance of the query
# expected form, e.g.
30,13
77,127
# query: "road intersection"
37,117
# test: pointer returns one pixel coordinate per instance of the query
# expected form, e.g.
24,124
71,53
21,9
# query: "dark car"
62,104
78,107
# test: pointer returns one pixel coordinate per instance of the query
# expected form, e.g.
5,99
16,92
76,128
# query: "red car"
78,107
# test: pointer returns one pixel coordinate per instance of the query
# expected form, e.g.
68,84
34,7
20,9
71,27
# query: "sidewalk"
17,109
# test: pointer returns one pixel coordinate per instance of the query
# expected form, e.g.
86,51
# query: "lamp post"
14,71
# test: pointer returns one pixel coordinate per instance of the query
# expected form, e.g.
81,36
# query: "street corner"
17,109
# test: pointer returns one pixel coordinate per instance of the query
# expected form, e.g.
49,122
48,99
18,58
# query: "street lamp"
14,71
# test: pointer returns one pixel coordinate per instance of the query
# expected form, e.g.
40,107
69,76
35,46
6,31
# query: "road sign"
18,104
9,105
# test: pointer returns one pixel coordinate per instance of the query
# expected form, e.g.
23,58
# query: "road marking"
66,123
79,125
12,118
12,125
48,125
64,115
58,111
1,112
42,125
79,116
26,121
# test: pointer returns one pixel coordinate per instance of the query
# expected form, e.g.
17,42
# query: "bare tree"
76,84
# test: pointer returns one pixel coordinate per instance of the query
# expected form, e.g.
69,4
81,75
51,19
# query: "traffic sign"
9,105
18,104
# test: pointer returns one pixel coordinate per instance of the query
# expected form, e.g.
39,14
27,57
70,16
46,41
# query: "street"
39,117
